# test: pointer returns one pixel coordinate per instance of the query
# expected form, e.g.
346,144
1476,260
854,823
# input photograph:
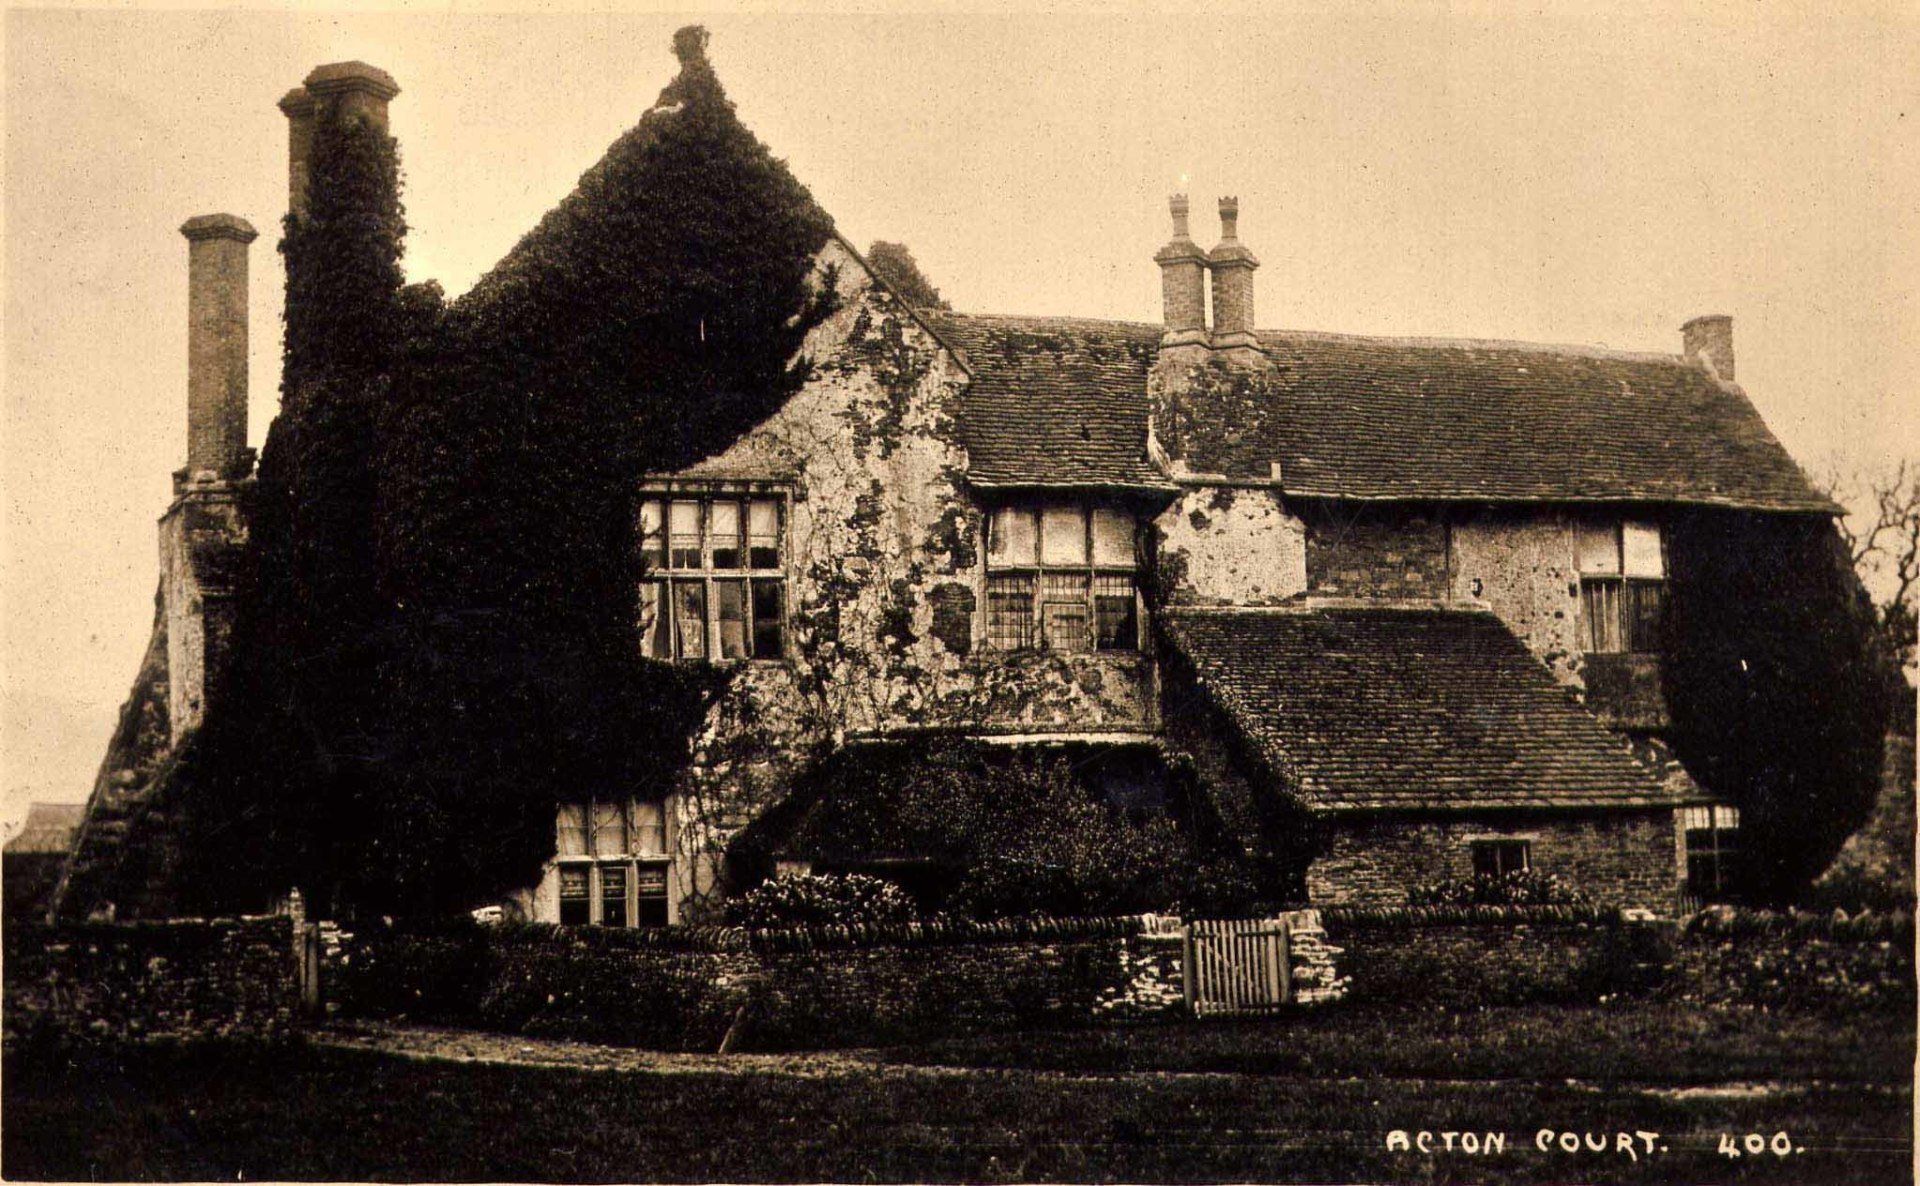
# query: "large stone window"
716,577
1063,576
612,864
1623,586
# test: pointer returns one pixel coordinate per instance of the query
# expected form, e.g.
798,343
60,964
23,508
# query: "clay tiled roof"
1380,418
1369,709
1055,401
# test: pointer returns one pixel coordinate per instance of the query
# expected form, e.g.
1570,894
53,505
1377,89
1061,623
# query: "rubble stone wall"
1618,857
179,979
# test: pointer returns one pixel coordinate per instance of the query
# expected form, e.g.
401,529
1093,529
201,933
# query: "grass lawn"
1629,1042
310,1112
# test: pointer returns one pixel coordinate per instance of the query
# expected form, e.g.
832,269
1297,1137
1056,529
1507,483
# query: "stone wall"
202,538
187,978
1624,858
1362,551
1225,545
1456,964
684,988
1797,961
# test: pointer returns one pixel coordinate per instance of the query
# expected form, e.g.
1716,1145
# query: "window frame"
1035,571
1720,821
1623,622
668,577
631,861
1496,845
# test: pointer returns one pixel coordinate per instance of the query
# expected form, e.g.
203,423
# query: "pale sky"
1451,171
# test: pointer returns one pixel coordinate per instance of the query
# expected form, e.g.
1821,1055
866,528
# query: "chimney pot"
1708,340
217,345
1229,218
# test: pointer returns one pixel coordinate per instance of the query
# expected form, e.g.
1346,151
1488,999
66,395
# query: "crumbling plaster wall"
885,586
1521,564
1227,545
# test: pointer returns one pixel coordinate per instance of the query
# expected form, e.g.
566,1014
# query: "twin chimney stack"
1184,270
217,276
348,90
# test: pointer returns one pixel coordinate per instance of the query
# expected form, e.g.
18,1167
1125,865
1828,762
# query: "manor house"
1412,588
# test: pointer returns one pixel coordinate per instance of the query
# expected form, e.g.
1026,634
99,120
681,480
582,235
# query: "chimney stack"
1183,282
1232,266
346,90
1709,339
217,346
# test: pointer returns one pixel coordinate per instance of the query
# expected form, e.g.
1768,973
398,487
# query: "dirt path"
447,1044
443,1043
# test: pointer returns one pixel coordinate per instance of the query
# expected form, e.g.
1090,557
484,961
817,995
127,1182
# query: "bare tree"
1882,533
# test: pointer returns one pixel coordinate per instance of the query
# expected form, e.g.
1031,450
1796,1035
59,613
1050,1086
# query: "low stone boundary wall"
684,988
172,979
1463,956
1794,960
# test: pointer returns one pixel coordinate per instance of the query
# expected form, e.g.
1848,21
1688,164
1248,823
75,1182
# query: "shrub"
998,832
819,900
1525,887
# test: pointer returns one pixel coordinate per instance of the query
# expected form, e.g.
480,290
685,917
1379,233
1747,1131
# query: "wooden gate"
1236,966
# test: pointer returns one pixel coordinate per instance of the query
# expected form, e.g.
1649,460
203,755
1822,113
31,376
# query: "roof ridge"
1574,349
1270,336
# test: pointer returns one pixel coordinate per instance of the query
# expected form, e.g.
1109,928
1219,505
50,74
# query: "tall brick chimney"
217,346
1182,282
204,532
1232,266
1709,340
350,90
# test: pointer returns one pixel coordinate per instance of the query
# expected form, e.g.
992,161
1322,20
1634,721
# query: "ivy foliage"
439,641
897,268
1778,686
989,832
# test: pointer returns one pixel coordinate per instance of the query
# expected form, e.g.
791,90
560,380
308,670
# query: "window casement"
612,863
1062,576
1623,586
715,584
1497,858
1713,849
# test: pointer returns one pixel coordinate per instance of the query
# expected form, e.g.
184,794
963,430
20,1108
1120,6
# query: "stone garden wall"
1461,957
177,979
683,988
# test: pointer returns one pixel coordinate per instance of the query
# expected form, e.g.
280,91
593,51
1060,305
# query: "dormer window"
716,577
1623,586
1062,576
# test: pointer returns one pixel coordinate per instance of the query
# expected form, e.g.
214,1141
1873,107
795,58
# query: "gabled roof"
1057,401
1412,709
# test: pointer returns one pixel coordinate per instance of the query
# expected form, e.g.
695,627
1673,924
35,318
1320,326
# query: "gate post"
1187,969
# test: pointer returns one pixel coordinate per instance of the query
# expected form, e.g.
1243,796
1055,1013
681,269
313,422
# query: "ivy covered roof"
1388,708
